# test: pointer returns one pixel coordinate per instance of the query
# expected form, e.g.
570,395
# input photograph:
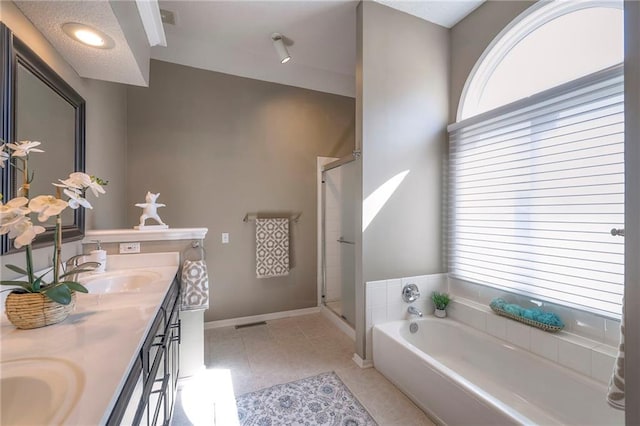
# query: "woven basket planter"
34,310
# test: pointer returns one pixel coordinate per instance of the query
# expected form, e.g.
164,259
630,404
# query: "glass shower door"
339,240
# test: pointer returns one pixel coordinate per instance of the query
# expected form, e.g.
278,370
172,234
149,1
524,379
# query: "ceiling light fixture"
88,35
281,49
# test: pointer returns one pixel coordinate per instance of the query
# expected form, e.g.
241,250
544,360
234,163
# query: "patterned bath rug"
317,400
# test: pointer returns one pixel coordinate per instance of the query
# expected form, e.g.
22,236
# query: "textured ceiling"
118,64
443,12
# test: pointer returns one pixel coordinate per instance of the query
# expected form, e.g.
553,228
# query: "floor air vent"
253,324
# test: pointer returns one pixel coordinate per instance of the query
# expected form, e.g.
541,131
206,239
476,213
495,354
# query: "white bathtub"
461,376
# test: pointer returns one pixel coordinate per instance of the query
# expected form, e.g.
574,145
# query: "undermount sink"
119,281
38,391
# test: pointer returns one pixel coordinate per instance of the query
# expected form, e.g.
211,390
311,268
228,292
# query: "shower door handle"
343,241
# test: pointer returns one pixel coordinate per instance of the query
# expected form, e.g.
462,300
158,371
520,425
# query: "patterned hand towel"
272,247
195,285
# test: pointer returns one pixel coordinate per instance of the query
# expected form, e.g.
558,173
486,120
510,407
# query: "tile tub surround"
384,300
581,323
101,338
588,344
589,357
290,349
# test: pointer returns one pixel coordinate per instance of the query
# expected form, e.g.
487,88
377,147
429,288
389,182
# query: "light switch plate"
225,238
129,248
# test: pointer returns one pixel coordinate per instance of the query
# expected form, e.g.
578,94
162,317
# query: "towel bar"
295,217
196,248
342,240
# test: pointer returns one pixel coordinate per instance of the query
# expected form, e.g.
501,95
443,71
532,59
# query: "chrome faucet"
74,263
414,311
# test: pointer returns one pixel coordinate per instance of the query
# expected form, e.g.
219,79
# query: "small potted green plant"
440,302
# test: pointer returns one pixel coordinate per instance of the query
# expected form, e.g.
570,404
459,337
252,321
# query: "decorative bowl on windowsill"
538,318
34,302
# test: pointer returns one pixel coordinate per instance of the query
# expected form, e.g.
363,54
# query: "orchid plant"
15,220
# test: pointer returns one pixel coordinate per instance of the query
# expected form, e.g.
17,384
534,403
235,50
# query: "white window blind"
535,188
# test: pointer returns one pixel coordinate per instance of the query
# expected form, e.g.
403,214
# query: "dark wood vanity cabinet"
148,395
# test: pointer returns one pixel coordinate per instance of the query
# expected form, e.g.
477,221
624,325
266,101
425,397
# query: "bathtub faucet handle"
410,293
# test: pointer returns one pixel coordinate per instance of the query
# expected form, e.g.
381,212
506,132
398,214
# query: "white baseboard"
257,318
339,322
362,363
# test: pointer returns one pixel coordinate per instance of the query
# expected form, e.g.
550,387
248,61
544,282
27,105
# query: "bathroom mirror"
38,105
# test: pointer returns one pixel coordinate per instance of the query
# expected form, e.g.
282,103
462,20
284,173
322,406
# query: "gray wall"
402,85
405,66
105,133
217,147
107,152
471,36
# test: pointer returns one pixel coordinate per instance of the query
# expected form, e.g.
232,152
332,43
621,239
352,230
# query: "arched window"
537,160
550,44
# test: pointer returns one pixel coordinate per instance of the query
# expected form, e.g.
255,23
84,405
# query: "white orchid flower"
76,200
10,221
4,155
11,224
96,188
24,232
12,213
76,180
23,148
74,188
14,205
47,206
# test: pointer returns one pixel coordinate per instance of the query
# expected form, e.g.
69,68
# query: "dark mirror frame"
14,51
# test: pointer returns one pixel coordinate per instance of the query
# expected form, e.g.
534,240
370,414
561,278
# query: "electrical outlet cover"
129,248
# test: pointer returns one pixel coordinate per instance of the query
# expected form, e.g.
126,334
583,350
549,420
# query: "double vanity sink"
54,383
75,371
123,281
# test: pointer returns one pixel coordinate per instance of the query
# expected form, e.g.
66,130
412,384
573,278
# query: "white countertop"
100,339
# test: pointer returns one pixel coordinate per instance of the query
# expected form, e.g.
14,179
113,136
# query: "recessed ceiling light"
88,35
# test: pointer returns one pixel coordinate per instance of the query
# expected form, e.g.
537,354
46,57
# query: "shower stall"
337,223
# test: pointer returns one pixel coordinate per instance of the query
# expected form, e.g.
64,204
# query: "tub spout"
414,311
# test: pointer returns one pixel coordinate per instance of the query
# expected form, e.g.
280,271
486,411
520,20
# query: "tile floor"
294,348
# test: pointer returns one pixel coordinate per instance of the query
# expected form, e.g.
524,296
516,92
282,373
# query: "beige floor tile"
291,349
290,322
255,332
220,333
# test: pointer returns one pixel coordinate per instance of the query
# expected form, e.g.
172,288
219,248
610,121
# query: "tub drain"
413,327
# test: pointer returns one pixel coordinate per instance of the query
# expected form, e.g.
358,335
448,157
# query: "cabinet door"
132,407
173,361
